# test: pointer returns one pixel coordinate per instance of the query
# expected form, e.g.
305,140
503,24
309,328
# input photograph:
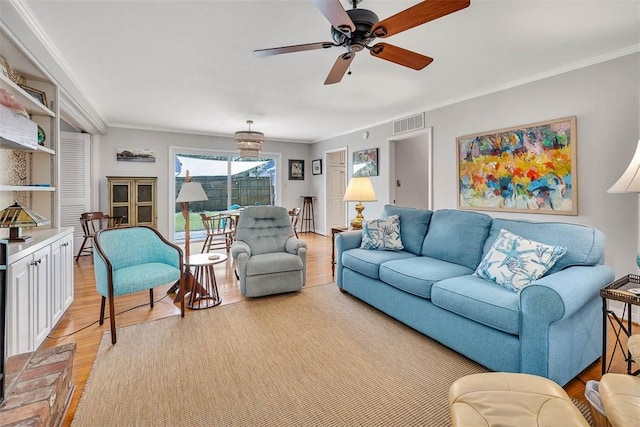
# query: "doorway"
336,184
411,182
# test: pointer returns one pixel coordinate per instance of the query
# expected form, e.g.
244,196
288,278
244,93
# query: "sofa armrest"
561,323
298,247
293,245
238,247
561,294
345,241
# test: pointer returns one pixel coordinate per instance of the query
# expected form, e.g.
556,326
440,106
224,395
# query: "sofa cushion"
382,234
514,262
457,236
479,300
416,275
585,245
413,225
368,262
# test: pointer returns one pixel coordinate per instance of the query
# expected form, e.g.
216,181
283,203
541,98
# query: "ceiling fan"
355,29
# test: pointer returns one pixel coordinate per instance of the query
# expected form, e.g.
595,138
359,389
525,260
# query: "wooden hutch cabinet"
133,199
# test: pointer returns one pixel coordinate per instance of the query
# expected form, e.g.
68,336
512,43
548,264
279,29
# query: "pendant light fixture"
249,142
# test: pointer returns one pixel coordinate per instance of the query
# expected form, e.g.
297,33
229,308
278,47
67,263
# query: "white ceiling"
188,66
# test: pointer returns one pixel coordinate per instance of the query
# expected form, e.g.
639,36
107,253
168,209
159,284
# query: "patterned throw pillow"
514,262
382,234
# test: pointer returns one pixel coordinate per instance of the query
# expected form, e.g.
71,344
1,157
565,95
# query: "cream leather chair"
511,399
620,393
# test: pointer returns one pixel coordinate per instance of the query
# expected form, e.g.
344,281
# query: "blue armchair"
269,258
132,259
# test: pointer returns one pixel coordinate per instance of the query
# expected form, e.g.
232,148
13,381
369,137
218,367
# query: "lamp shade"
629,182
360,190
15,216
191,192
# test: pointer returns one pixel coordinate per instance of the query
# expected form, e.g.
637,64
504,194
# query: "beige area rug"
312,358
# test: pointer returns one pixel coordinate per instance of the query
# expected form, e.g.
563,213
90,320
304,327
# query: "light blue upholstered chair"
269,258
133,259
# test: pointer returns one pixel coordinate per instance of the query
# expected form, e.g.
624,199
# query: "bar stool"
308,219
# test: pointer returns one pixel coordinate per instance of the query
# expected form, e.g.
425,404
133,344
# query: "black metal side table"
618,291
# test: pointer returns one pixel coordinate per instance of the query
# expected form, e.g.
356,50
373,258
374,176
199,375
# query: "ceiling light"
249,142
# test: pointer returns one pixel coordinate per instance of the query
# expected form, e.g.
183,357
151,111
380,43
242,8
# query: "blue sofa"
552,328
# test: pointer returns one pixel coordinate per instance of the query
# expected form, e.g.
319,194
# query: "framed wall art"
135,155
365,162
296,170
316,167
529,168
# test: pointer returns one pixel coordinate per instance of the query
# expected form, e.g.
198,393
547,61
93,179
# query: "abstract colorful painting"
529,168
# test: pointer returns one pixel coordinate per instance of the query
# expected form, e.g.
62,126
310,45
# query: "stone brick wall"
39,387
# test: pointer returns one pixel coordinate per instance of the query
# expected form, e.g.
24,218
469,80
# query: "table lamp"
359,190
15,217
629,182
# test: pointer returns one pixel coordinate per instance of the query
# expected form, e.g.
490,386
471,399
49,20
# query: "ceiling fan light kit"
249,142
355,29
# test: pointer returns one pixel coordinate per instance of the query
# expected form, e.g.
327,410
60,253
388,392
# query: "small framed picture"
39,95
316,167
296,170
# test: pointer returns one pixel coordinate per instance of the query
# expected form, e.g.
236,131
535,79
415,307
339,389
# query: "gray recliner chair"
269,258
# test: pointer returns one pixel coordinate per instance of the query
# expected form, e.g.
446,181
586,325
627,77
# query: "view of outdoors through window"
230,182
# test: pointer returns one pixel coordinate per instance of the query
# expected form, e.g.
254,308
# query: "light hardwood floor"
79,324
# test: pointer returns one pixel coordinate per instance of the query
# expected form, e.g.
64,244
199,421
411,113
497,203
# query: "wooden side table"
618,291
204,292
334,231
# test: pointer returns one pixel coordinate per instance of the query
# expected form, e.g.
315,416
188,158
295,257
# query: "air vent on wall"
408,124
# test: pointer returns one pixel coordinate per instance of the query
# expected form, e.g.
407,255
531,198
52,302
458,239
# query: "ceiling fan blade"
339,68
400,56
293,48
335,13
417,15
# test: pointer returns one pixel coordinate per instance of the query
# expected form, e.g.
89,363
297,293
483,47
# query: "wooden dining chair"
219,230
91,223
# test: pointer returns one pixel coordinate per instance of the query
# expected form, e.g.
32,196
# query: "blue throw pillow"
382,234
514,262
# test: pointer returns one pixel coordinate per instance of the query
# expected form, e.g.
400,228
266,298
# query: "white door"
412,166
75,180
336,170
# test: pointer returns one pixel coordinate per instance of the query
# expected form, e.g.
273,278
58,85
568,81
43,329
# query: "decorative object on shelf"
39,95
359,190
15,217
41,136
249,142
5,70
135,155
629,182
365,162
316,167
16,77
296,170
528,168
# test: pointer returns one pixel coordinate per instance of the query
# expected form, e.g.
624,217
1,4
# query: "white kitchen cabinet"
39,287
62,276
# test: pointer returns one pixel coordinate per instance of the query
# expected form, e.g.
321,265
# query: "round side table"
204,292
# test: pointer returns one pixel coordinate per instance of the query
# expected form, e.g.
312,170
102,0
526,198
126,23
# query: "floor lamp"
190,192
359,190
629,182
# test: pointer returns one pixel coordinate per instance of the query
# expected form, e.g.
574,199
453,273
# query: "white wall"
160,143
606,100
